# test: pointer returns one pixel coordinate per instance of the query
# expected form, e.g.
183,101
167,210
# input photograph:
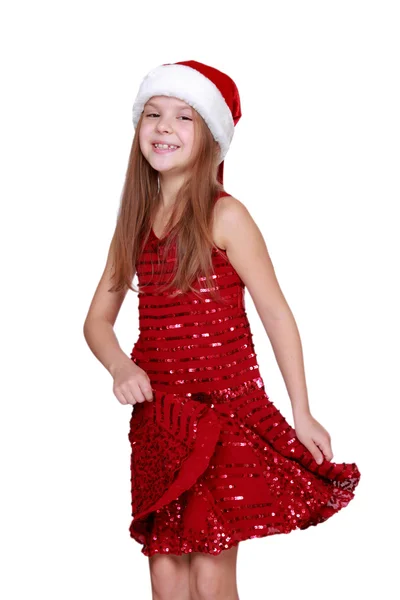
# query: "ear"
217,148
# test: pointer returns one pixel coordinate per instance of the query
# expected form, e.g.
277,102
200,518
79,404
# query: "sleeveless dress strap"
221,194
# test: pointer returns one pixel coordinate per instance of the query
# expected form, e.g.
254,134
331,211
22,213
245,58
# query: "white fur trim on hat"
194,88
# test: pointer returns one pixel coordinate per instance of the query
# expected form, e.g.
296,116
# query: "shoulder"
229,208
230,214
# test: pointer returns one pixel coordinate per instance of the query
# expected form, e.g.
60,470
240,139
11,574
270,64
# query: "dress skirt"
209,470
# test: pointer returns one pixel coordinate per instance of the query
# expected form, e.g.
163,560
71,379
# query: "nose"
163,125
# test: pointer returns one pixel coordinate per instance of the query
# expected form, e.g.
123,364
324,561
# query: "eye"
156,114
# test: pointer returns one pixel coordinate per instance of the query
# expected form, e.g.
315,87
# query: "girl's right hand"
131,383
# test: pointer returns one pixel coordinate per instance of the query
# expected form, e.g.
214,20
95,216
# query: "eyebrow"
179,107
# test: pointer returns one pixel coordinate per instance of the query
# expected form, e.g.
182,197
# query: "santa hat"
212,93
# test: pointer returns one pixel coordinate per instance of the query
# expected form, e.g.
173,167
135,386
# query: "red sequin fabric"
213,461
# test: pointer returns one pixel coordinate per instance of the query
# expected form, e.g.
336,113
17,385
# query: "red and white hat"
212,93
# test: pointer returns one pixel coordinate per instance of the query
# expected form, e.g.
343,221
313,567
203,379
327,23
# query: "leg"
169,576
214,577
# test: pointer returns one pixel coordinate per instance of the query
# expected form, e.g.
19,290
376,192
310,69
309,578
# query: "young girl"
213,461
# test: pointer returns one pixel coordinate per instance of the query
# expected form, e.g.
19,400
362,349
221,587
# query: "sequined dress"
213,461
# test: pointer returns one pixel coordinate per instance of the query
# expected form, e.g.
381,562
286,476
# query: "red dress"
213,461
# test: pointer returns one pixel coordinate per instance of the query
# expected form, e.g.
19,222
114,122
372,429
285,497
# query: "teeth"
164,146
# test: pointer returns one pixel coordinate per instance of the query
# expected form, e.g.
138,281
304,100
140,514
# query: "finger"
137,394
120,397
317,454
130,394
319,459
147,391
326,449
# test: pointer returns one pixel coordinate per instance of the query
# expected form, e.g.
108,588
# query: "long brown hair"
190,222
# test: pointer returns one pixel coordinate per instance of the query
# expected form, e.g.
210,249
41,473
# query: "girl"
213,461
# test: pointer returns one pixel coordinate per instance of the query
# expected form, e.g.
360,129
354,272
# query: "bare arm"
247,251
98,328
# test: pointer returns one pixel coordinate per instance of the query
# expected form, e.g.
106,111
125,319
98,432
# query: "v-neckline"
161,239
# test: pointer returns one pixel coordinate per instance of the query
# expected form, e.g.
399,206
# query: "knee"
207,585
169,578
214,577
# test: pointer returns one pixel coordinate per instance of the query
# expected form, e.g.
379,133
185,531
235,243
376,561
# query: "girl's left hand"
314,437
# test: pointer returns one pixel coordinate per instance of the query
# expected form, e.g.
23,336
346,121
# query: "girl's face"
167,120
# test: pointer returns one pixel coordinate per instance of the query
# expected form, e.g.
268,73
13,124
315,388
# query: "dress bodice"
187,343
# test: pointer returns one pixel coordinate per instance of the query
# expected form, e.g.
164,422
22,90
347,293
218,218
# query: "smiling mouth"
164,150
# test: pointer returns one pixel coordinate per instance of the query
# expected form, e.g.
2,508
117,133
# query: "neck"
169,187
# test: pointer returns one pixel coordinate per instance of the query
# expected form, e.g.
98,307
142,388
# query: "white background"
315,158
